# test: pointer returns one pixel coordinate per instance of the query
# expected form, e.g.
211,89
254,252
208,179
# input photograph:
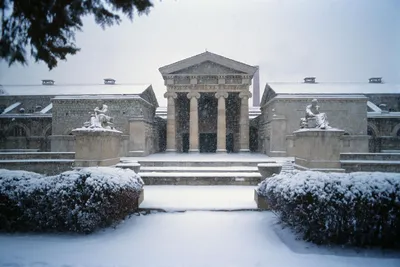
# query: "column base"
244,150
170,150
194,151
221,151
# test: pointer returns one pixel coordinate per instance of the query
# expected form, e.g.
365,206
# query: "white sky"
334,40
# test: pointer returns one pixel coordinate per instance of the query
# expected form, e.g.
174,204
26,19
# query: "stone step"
201,163
239,169
371,165
36,155
370,156
200,178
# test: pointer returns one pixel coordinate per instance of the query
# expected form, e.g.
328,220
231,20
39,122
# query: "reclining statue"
99,119
313,118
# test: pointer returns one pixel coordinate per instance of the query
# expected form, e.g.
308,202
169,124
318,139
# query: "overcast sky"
334,40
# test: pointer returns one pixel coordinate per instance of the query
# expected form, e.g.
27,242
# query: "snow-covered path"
169,197
196,238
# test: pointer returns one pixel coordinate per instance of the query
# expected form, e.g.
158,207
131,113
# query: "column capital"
193,94
221,94
245,94
170,94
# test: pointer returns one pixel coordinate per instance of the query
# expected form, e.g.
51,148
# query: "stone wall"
281,117
391,100
25,131
70,113
385,133
28,102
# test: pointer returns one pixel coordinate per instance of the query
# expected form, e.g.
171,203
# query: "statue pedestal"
96,147
319,150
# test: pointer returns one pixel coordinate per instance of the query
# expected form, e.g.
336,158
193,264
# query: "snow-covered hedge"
77,201
361,208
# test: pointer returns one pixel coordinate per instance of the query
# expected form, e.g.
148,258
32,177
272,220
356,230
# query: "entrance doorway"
229,143
185,142
208,142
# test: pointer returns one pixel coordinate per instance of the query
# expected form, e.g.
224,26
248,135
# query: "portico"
208,108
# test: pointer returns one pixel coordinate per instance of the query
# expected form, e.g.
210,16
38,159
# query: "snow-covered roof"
325,89
108,96
76,89
47,108
11,107
374,107
334,88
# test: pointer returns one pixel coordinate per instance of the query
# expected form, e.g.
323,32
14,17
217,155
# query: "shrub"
76,201
361,208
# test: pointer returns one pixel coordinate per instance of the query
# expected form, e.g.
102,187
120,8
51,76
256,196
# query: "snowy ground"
193,238
199,197
197,238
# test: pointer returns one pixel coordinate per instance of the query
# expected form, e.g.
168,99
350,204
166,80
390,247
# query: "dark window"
18,131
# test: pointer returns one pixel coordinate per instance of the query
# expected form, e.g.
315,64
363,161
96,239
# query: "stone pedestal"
317,149
96,147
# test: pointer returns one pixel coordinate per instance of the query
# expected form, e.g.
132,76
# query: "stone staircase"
47,163
379,162
192,171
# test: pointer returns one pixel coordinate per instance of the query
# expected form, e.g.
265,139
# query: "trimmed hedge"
361,209
74,201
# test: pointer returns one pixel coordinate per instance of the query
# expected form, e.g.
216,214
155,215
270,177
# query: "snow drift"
74,201
361,208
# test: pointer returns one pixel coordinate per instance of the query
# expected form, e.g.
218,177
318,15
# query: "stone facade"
384,132
22,126
127,111
281,117
45,122
208,109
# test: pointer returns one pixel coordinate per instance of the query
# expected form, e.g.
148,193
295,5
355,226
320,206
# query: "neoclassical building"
208,104
207,111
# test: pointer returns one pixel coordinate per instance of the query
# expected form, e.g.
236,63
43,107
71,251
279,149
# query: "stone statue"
314,119
99,119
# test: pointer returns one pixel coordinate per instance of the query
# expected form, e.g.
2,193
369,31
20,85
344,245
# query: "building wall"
281,116
25,132
28,102
69,114
384,133
391,100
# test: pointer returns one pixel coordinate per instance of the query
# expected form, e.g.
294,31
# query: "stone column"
244,121
171,126
194,122
221,128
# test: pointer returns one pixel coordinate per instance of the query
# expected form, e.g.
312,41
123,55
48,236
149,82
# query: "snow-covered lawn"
190,239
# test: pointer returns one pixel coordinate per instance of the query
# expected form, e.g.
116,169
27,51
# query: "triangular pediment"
268,94
208,62
208,68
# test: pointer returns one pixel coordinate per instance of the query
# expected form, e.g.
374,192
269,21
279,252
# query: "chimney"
109,81
47,82
375,80
309,80
256,87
